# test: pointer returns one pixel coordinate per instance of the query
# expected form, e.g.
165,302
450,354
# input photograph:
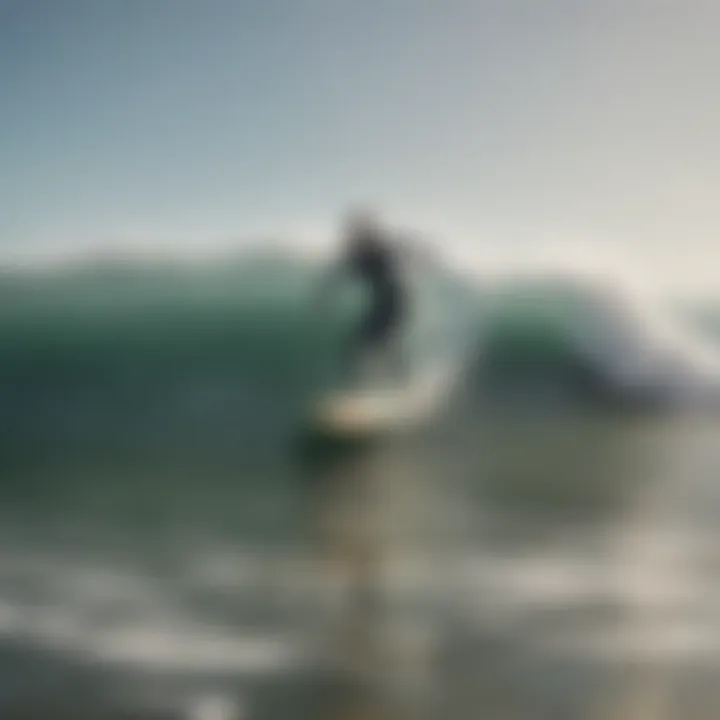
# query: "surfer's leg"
391,340
361,348
378,340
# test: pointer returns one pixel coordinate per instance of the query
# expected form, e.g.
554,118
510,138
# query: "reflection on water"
375,548
560,570
511,568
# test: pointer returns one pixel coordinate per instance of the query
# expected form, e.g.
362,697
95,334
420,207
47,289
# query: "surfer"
371,255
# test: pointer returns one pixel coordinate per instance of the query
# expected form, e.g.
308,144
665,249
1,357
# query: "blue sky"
498,123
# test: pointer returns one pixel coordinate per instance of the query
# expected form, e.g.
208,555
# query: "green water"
166,540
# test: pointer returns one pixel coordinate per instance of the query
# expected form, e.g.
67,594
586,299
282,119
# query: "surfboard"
373,410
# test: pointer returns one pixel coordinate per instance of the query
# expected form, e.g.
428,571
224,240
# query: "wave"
588,337
162,353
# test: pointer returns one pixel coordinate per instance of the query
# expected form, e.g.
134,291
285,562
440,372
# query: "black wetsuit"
375,264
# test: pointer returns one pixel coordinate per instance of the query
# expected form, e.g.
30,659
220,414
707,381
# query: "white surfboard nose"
380,409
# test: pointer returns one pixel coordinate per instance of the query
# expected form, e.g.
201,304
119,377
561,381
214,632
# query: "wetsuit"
374,263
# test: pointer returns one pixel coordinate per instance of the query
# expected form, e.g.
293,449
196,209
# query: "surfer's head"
362,222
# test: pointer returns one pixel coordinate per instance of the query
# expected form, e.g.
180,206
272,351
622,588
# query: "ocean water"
174,545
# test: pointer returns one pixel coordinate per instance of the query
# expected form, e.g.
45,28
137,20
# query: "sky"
501,126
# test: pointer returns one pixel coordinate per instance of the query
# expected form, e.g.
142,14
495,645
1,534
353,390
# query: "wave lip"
586,336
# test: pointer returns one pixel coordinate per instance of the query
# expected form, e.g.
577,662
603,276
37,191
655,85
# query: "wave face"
164,356
581,339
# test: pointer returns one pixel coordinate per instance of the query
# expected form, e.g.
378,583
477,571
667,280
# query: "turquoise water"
171,547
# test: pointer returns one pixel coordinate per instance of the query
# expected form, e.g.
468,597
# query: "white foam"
187,650
626,332
215,707
129,619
